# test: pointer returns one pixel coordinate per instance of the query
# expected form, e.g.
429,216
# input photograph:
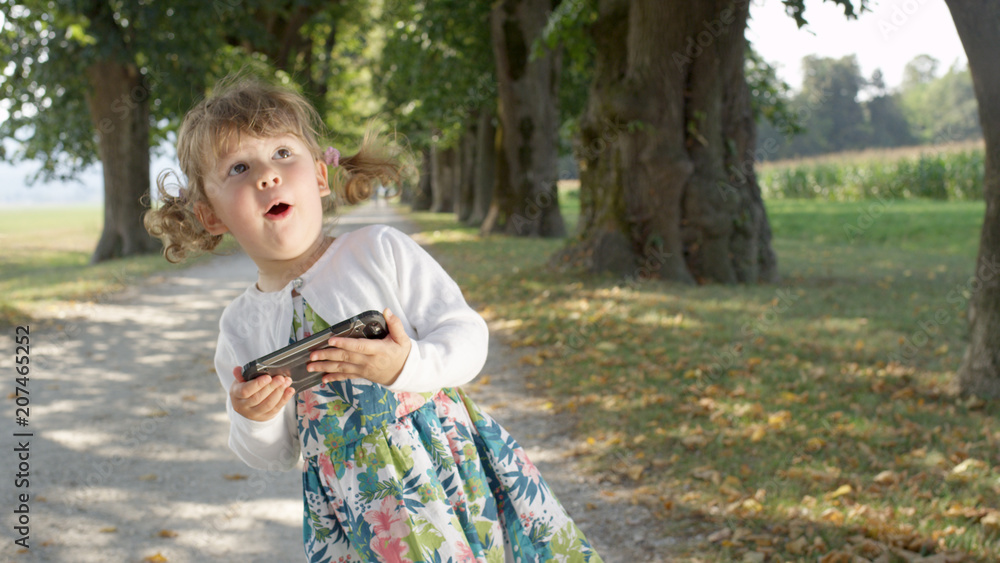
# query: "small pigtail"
377,162
175,223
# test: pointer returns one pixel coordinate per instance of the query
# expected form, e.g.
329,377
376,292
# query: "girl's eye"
282,153
237,169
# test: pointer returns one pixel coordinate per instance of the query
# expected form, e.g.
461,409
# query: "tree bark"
484,167
467,169
422,198
443,163
667,148
119,108
530,117
977,24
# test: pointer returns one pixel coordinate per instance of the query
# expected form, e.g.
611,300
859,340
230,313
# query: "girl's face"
267,192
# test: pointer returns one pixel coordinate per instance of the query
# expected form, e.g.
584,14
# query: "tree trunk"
467,169
667,184
443,180
484,168
421,199
978,24
502,192
530,117
119,108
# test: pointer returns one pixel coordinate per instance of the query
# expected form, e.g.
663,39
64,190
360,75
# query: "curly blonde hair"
242,106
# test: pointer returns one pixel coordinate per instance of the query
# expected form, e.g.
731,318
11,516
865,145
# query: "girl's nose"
268,179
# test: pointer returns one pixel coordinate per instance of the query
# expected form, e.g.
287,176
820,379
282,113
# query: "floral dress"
419,477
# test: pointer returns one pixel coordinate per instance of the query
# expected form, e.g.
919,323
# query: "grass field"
797,420
44,261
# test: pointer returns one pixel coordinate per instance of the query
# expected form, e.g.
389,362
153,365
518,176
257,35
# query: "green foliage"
939,109
926,110
436,67
943,175
47,44
797,8
769,95
179,48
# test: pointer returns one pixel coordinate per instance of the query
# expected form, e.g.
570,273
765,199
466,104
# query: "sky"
886,38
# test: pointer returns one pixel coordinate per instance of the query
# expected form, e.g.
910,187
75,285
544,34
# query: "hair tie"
332,157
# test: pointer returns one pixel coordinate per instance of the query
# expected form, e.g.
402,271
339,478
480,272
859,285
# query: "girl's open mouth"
278,210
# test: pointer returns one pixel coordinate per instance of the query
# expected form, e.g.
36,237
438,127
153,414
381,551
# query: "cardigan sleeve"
450,340
271,444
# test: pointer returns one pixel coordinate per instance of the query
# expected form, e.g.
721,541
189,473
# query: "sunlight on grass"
45,262
818,410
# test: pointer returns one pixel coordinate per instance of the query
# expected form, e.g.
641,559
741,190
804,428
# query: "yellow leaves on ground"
779,420
156,558
841,491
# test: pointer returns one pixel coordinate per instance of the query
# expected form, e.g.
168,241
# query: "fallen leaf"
837,557
235,477
634,472
158,558
887,477
167,534
723,534
707,474
109,529
694,442
797,547
974,403
833,516
753,557
991,521
779,420
815,444
841,491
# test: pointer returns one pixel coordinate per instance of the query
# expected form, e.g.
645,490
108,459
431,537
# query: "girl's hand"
260,399
380,361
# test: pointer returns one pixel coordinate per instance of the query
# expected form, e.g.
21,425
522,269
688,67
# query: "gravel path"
128,458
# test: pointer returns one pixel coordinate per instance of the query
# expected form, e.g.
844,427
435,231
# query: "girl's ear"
206,215
322,178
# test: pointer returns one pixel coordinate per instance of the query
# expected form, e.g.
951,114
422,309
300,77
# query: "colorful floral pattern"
410,477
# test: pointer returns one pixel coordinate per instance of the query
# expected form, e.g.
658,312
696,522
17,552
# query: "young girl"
399,464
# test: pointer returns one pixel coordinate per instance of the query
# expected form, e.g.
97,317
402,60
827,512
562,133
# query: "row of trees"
665,131
837,109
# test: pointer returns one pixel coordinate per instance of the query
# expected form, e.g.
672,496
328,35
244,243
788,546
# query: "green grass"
815,410
45,261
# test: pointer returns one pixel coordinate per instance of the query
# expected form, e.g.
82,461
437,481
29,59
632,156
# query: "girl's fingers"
395,326
276,400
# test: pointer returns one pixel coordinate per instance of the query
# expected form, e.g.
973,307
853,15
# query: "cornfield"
952,173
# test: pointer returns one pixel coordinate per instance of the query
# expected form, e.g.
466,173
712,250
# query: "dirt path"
128,456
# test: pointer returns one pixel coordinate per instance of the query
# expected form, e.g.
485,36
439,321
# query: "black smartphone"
291,360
